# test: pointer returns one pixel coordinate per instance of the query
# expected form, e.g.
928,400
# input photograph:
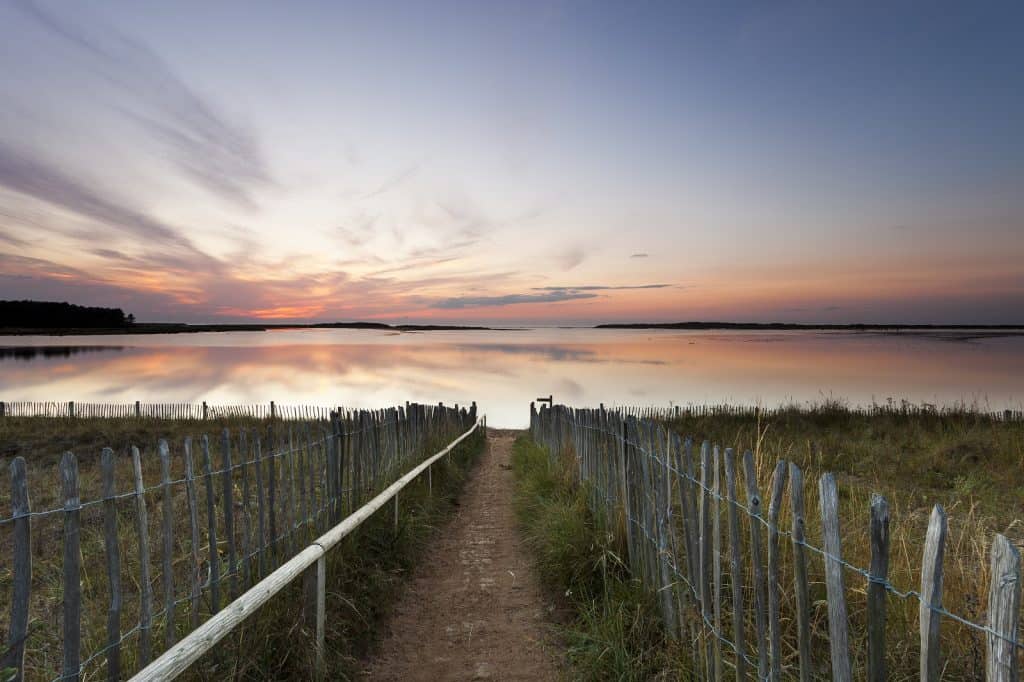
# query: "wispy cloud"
29,175
549,294
215,152
394,181
600,287
460,302
571,257
639,255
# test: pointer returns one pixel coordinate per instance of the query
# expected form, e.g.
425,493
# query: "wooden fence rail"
180,656
175,533
633,469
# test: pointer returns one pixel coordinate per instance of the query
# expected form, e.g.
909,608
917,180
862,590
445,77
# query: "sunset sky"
556,162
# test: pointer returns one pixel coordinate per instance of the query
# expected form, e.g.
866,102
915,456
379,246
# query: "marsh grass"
614,632
363,573
966,461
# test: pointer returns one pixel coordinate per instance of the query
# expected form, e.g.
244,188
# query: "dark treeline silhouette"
53,315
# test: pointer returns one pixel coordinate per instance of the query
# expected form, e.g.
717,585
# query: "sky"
521,162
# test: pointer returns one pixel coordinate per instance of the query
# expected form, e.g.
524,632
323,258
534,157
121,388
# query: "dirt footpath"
473,609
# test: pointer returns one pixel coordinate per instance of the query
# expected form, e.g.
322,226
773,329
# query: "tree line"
53,315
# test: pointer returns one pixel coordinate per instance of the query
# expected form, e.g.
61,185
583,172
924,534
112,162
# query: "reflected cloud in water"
503,372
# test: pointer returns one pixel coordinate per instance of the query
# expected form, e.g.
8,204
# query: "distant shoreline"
949,331
182,328
791,326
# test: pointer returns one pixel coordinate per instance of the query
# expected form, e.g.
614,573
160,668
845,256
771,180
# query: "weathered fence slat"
931,593
735,567
193,523
113,555
664,512
716,560
228,501
838,623
705,557
243,454
21,577
211,522
774,594
876,588
1003,612
261,543
757,561
272,496
72,595
168,542
803,601
145,584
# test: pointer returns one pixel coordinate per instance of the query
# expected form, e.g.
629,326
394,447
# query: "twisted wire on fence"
562,429
318,478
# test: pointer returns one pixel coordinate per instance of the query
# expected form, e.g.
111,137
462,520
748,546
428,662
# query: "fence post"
22,570
3,409
876,588
828,497
1003,610
227,483
138,408
321,610
716,557
760,598
193,519
168,541
204,410
803,602
261,514
734,567
71,408
211,518
774,596
113,566
72,595
145,587
273,410
705,558
931,593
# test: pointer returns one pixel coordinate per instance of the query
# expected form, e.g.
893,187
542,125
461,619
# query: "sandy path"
473,609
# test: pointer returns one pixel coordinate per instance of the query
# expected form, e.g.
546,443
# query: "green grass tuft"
614,633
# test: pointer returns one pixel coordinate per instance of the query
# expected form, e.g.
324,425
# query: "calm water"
503,371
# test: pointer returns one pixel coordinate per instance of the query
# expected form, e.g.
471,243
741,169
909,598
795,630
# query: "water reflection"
33,352
503,371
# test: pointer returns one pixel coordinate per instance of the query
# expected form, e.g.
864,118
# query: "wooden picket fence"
224,515
643,479
140,410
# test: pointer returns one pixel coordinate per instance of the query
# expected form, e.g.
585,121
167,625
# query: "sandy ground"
473,609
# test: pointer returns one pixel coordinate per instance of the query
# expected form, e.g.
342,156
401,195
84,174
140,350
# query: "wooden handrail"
179,657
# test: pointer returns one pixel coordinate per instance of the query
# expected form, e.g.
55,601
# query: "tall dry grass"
966,461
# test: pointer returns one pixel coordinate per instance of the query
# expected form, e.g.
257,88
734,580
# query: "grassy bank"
971,464
363,572
613,632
